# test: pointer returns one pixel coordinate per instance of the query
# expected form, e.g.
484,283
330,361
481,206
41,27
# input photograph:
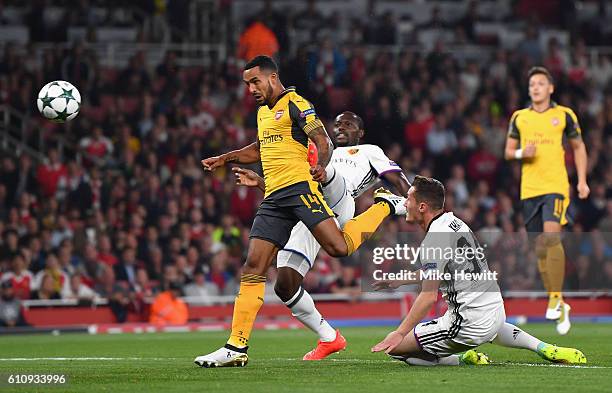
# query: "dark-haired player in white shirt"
475,313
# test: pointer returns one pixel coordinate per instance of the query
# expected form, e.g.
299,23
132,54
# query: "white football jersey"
361,166
451,249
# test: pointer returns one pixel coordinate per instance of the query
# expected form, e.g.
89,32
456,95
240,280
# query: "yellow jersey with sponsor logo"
282,132
546,172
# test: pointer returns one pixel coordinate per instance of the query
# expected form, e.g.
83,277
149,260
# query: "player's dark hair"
430,191
542,71
356,117
263,62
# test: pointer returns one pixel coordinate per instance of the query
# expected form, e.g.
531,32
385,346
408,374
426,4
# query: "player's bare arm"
324,147
248,178
399,181
422,304
513,152
247,155
580,158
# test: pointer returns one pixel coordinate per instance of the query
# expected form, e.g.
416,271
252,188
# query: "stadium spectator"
441,140
50,173
105,251
328,66
200,288
10,244
77,68
47,289
61,232
117,294
19,277
168,309
256,40
144,288
78,290
308,21
125,270
530,46
10,307
57,279
97,148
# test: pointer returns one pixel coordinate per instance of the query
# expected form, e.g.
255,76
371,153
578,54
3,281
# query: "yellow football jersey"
282,132
546,172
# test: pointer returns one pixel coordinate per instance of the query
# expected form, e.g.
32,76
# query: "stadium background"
121,185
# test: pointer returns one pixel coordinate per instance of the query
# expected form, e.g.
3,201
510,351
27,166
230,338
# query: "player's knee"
547,240
540,251
285,290
551,239
254,266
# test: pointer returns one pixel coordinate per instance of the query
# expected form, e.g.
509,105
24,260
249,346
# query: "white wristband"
518,154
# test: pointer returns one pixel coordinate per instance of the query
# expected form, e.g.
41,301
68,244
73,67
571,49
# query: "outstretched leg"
289,289
513,337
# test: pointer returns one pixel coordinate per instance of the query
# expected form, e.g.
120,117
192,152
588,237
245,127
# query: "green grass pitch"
163,362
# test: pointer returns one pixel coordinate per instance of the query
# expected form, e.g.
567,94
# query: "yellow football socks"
542,264
360,228
246,306
555,269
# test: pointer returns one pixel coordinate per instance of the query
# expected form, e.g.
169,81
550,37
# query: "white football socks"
303,308
513,337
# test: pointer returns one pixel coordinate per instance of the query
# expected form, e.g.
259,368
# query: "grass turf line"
163,362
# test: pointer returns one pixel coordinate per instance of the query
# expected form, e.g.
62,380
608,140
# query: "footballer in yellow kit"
285,124
535,136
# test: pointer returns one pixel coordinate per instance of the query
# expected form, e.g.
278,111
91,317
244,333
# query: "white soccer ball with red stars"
59,101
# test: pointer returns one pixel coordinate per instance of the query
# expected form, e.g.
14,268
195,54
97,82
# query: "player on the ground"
475,312
285,123
535,136
353,169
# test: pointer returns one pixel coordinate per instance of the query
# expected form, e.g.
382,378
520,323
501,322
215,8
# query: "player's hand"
386,284
529,151
212,163
245,177
390,342
318,173
583,190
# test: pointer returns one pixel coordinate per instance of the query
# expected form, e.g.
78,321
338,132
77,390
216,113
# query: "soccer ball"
59,101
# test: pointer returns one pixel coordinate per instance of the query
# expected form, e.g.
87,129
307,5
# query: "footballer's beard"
267,96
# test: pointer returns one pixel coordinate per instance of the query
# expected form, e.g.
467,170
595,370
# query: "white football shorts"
452,333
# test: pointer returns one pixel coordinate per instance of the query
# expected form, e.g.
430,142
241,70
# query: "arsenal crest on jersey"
555,121
279,114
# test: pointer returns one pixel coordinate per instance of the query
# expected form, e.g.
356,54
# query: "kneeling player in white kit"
353,169
475,306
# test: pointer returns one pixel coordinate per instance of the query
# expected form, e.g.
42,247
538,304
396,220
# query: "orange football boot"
324,349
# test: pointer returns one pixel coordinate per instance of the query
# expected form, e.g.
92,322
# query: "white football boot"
223,357
554,309
395,202
563,323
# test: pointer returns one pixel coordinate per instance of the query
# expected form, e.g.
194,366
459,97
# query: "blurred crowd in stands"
123,210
